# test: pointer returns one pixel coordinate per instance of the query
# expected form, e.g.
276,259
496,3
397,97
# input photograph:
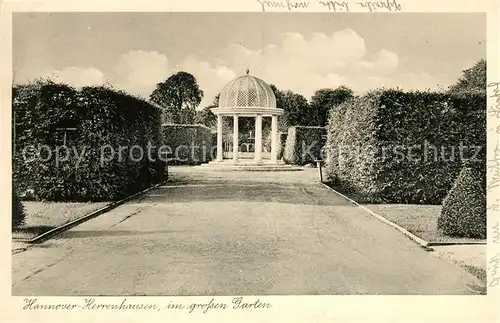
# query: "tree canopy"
296,108
206,116
472,79
324,100
179,95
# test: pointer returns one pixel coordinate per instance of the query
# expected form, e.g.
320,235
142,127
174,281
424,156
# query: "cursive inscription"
89,304
329,5
286,4
496,234
335,6
494,206
239,303
374,6
495,110
33,304
493,268
92,304
494,167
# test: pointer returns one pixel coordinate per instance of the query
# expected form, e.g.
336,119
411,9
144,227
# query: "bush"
281,145
304,144
392,146
102,163
18,214
189,144
464,208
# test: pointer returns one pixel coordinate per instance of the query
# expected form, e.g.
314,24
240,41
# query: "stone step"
248,166
251,169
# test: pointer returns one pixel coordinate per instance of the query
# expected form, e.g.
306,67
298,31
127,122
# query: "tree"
296,109
324,100
206,116
472,80
179,95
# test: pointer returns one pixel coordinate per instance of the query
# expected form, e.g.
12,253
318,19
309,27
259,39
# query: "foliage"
304,144
282,144
297,111
206,117
179,95
464,208
18,213
392,146
324,100
103,120
472,80
189,144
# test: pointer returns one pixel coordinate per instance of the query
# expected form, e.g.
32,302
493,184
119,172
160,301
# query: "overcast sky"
300,52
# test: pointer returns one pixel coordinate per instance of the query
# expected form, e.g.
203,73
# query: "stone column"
235,138
220,149
274,139
258,138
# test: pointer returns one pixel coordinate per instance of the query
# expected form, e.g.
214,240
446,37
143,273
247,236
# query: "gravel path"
235,234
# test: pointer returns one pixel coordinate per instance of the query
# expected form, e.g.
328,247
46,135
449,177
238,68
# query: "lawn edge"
62,228
471,243
421,242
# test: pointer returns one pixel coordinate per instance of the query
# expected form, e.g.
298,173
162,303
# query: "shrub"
392,146
105,121
282,143
304,144
189,144
18,214
464,208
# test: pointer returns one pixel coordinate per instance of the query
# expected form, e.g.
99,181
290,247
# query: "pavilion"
248,96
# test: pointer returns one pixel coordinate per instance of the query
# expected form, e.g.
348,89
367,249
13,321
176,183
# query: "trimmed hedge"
464,208
304,144
189,144
106,122
18,214
403,147
281,145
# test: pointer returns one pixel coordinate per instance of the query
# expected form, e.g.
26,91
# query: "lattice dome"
247,91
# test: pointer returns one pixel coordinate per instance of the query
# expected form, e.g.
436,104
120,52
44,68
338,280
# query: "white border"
285,308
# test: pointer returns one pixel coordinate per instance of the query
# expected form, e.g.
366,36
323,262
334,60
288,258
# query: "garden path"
233,233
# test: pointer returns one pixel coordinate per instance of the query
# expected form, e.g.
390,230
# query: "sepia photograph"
248,153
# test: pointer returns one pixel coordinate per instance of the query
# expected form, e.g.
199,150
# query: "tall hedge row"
189,144
304,144
18,212
101,159
404,147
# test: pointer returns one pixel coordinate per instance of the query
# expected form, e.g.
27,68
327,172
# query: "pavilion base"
249,165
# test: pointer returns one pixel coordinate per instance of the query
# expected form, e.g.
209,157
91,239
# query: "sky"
299,52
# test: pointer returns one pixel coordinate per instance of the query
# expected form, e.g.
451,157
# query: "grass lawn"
44,216
420,220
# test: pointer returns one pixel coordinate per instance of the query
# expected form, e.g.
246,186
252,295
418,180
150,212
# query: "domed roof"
247,91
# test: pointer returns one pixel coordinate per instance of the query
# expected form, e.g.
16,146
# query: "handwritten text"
496,234
332,6
493,269
495,110
494,166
